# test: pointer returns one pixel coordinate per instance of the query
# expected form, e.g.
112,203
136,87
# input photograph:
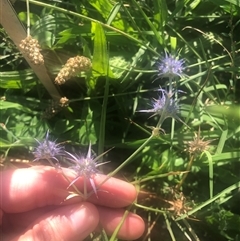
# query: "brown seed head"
31,47
72,68
198,145
63,102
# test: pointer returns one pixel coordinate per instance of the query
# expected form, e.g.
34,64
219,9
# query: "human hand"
32,206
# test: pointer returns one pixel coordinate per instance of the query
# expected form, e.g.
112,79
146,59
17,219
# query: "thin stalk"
163,115
149,208
116,231
128,160
85,188
28,18
191,230
103,119
183,230
186,173
73,185
50,161
157,176
4,127
168,224
112,95
221,195
171,85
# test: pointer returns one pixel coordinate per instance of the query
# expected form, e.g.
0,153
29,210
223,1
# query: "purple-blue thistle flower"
165,106
85,167
170,67
48,150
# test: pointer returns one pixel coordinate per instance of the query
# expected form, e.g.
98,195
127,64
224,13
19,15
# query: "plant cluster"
156,80
84,166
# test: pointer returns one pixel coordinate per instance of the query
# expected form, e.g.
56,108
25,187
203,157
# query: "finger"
40,186
131,229
70,223
20,221
32,188
112,193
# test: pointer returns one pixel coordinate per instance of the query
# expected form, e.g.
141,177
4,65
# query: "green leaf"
8,105
226,2
160,13
87,131
46,39
158,36
17,79
33,17
109,12
100,64
118,65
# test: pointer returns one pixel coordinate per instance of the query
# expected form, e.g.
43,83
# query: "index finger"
29,188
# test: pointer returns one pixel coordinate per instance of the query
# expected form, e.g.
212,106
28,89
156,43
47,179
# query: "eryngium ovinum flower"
165,106
31,47
198,145
48,150
72,68
85,167
170,66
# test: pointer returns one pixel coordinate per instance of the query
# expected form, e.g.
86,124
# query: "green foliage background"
124,40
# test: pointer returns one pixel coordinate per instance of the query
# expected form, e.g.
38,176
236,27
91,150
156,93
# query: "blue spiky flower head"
48,150
164,106
170,66
85,166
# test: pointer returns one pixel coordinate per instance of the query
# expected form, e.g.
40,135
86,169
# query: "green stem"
156,176
28,18
187,171
116,231
128,160
103,118
164,114
73,185
149,208
170,85
220,195
169,228
112,95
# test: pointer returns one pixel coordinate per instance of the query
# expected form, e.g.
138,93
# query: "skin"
36,204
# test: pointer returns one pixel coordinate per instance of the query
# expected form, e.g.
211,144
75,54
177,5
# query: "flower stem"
170,85
187,171
28,18
128,160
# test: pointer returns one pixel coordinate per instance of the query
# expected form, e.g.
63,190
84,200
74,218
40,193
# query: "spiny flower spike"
85,167
164,106
170,67
180,204
48,150
198,145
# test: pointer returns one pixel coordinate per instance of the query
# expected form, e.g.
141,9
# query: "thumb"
72,222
